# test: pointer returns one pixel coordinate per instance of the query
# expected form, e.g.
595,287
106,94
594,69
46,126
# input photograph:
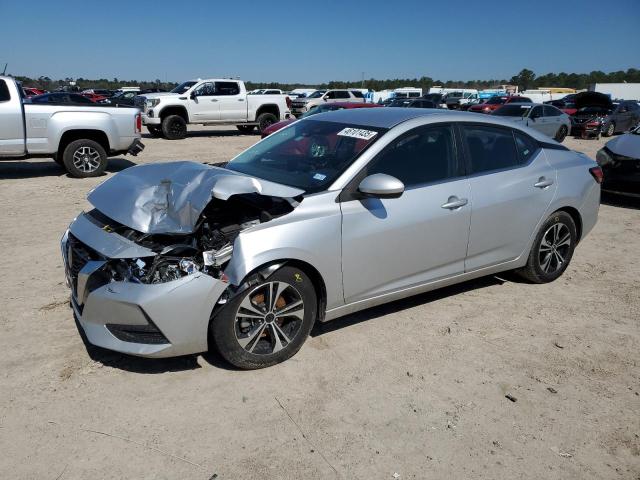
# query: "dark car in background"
620,163
122,99
422,103
400,102
61,98
566,104
597,115
496,102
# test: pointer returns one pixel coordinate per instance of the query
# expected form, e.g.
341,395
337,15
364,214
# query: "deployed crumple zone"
170,197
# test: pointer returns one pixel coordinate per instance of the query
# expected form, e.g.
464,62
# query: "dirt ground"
415,388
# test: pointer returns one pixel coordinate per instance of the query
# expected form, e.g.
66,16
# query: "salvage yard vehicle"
325,107
210,102
78,137
620,162
303,105
546,119
317,221
496,102
60,98
597,115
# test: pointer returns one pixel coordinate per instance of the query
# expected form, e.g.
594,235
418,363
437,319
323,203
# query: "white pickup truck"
210,102
78,137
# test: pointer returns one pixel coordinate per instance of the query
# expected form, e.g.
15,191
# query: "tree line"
525,79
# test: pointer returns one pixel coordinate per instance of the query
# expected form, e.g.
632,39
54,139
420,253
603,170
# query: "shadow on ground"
209,133
621,201
13,170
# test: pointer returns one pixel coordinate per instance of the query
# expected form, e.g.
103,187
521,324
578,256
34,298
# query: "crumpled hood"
169,197
627,145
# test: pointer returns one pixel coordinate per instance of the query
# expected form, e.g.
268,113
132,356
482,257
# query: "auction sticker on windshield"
357,133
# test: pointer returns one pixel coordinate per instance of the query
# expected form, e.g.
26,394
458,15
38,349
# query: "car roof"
391,117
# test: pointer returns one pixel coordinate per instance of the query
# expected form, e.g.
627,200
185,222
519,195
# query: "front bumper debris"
150,320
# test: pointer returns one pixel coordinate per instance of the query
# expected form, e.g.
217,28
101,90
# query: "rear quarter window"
4,92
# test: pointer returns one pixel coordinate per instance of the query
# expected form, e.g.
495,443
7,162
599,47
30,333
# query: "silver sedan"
330,215
546,119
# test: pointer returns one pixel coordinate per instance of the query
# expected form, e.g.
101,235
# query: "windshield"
309,154
496,100
317,94
513,110
183,87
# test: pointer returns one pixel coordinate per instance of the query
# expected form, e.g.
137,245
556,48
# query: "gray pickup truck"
78,137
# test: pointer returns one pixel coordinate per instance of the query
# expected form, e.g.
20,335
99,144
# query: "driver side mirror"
193,95
381,185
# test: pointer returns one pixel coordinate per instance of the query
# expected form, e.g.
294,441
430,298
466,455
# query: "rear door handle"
214,99
454,203
543,183
241,99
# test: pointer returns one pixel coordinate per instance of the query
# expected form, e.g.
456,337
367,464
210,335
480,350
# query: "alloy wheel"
86,159
554,248
176,128
269,318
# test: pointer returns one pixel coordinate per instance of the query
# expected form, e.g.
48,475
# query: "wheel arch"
268,108
81,134
577,219
175,110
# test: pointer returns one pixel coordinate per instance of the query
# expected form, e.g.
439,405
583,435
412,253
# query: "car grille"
138,101
78,254
149,334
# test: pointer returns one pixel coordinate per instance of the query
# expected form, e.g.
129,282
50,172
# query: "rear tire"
611,129
174,127
552,249
254,330
265,120
246,128
561,134
84,158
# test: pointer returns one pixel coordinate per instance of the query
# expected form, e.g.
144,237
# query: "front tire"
268,322
561,134
84,158
265,120
552,249
174,127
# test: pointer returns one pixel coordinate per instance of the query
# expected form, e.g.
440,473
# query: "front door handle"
241,99
214,99
453,203
543,183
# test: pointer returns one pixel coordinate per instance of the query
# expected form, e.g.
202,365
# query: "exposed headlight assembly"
152,102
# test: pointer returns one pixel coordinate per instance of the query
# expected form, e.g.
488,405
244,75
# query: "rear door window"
550,111
4,92
526,147
342,94
489,148
227,88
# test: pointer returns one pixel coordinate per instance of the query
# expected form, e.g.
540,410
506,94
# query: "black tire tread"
67,158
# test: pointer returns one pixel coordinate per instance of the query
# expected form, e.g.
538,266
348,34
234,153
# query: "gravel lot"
416,387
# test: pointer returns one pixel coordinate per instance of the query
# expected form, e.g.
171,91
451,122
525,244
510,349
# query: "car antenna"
5,69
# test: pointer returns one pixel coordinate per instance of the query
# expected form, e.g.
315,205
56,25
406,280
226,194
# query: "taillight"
596,173
138,123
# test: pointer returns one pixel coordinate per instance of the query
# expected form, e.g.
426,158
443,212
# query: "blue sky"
301,41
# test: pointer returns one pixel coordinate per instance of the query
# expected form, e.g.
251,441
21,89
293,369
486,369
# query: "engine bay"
207,249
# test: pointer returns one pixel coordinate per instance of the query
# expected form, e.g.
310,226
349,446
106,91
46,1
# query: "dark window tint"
330,95
227,88
526,146
357,94
420,156
550,111
342,94
536,112
490,148
4,91
80,99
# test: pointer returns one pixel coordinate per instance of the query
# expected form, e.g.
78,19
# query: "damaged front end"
146,265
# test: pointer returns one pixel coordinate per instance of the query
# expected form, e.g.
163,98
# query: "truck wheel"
155,132
264,120
245,128
174,127
84,158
